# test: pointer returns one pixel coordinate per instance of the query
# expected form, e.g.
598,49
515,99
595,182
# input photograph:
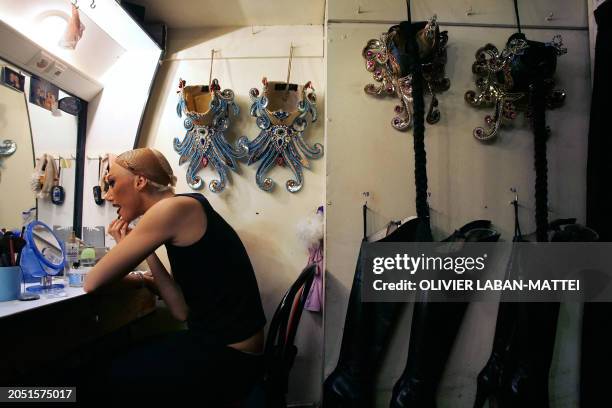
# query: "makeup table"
37,333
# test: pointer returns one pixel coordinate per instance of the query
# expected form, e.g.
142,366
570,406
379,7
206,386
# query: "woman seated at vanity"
212,286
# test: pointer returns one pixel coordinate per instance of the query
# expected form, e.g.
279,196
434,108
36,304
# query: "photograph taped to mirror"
43,93
13,79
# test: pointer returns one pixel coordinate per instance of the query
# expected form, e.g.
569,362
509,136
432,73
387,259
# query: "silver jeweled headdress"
381,57
496,85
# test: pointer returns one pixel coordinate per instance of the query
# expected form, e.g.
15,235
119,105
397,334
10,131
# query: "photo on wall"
43,93
13,79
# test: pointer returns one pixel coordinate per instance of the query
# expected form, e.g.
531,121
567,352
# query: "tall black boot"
433,331
535,335
536,332
367,330
536,323
490,379
501,360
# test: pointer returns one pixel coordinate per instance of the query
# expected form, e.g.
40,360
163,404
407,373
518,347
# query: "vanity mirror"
112,52
43,160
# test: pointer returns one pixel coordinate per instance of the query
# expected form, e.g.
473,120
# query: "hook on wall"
75,3
469,11
93,4
364,212
365,194
515,201
515,191
212,58
291,47
550,16
70,157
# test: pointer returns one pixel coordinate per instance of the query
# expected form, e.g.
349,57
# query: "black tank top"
218,282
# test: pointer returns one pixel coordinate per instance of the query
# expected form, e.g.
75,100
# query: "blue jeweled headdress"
282,112
207,110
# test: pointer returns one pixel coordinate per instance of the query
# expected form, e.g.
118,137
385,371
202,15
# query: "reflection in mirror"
49,247
41,173
54,133
8,147
16,168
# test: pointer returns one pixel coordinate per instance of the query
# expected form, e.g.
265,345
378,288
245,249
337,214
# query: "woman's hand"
118,229
142,279
149,281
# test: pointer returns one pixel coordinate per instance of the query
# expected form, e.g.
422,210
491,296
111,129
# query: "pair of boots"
368,328
516,374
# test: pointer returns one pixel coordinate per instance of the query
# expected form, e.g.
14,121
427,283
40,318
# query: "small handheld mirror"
45,249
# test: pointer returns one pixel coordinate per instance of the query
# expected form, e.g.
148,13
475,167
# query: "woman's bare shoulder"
176,204
182,217
172,209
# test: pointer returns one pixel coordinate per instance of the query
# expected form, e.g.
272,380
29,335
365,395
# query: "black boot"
433,331
527,385
367,330
501,361
518,369
536,333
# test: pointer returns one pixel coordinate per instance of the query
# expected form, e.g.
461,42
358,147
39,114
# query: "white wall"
467,180
566,13
115,113
266,222
112,122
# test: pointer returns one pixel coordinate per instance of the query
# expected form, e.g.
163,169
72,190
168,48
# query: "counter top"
66,326
17,306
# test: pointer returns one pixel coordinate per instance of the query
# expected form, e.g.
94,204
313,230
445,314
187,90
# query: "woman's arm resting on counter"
156,227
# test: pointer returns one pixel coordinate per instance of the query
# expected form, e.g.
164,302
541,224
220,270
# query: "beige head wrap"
148,163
